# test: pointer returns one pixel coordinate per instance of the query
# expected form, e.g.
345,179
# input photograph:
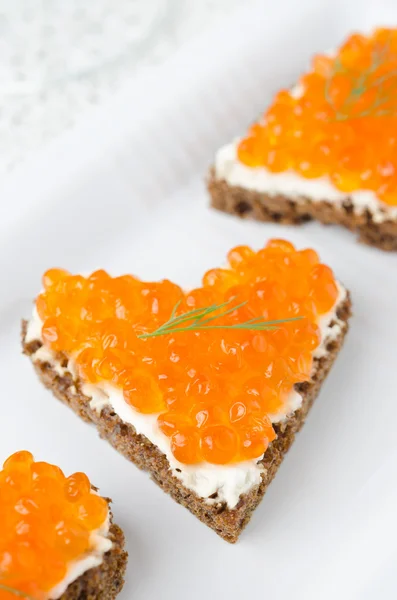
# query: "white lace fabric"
58,58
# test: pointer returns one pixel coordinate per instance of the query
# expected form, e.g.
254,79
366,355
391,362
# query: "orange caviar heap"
212,389
340,121
45,522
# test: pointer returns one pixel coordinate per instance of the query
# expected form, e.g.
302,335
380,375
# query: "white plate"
125,192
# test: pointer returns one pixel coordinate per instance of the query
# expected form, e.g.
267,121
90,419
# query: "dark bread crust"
281,209
105,581
228,523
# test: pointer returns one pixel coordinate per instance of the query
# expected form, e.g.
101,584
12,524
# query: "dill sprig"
18,593
199,319
361,84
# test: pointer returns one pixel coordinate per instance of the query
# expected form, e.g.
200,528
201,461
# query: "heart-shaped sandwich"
203,388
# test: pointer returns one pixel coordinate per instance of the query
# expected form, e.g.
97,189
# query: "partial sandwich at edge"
58,538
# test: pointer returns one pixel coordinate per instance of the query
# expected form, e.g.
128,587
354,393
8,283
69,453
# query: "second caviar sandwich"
204,388
325,149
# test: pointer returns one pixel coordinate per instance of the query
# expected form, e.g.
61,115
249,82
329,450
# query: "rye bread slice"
280,208
226,522
105,581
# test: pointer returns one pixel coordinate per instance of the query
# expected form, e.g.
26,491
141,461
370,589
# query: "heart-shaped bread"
210,376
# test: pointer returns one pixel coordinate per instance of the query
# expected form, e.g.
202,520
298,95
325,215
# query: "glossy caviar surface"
213,390
45,523
340,121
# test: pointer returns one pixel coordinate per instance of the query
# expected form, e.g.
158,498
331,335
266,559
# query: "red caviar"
212,389
340,122
45,523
